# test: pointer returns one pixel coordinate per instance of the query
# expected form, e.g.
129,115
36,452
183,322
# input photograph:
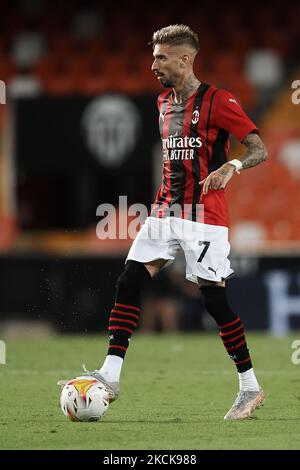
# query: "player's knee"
155,266
134,276
215,299
205,282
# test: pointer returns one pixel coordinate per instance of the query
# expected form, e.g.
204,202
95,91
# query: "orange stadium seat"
7,68
60,85
94,84
44,67
79,65
233,30
130,83
115,65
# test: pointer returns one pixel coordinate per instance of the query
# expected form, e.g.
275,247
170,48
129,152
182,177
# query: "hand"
218,179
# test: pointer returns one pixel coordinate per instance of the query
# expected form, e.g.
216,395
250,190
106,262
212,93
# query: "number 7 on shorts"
203,252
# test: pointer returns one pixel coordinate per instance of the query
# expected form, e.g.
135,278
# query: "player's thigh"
154,245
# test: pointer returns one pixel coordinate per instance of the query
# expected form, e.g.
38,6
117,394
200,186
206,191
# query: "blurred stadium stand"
79,50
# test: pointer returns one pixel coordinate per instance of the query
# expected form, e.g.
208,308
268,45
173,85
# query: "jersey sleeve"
230,116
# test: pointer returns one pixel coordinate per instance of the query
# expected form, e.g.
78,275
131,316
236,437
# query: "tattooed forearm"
256,151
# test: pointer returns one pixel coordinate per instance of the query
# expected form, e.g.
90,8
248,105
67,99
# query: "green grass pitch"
175,391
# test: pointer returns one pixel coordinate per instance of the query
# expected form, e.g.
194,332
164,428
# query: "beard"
171,80
167,82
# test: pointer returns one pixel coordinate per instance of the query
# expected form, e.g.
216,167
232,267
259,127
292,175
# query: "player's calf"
231,333
125,313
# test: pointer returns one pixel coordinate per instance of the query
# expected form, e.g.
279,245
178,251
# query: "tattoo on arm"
256,151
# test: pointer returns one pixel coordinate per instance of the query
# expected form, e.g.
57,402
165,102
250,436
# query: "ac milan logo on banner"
195,116
111,127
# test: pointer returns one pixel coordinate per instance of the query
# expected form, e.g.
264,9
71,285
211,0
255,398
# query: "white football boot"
113,388
244,405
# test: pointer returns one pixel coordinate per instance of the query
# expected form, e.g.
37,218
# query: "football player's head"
174,50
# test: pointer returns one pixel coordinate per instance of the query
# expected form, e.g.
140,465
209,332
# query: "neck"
186,88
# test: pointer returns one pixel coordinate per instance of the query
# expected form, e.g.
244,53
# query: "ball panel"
84,399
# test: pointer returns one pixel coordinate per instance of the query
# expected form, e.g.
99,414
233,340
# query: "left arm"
255,154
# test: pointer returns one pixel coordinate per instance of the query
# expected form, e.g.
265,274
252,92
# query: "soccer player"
195,121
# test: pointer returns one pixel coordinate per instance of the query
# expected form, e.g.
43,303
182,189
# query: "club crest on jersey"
195,116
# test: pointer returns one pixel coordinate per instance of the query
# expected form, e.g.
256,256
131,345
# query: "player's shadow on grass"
275,419
150,421
158,421
182,421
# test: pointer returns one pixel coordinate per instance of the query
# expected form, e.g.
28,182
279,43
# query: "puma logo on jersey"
234,101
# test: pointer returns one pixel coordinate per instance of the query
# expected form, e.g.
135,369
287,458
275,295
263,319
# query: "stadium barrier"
76,294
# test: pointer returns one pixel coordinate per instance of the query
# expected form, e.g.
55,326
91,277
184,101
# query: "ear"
184,60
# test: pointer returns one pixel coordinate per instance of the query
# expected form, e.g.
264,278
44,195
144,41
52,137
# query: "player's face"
167,65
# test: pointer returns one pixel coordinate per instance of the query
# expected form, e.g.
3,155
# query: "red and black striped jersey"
195,142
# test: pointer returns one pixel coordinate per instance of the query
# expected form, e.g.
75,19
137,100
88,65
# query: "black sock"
231,327
125,314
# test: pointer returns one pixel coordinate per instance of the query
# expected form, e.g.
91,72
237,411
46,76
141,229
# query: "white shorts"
206,247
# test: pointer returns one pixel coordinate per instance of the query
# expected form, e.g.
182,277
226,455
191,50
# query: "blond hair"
176,34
